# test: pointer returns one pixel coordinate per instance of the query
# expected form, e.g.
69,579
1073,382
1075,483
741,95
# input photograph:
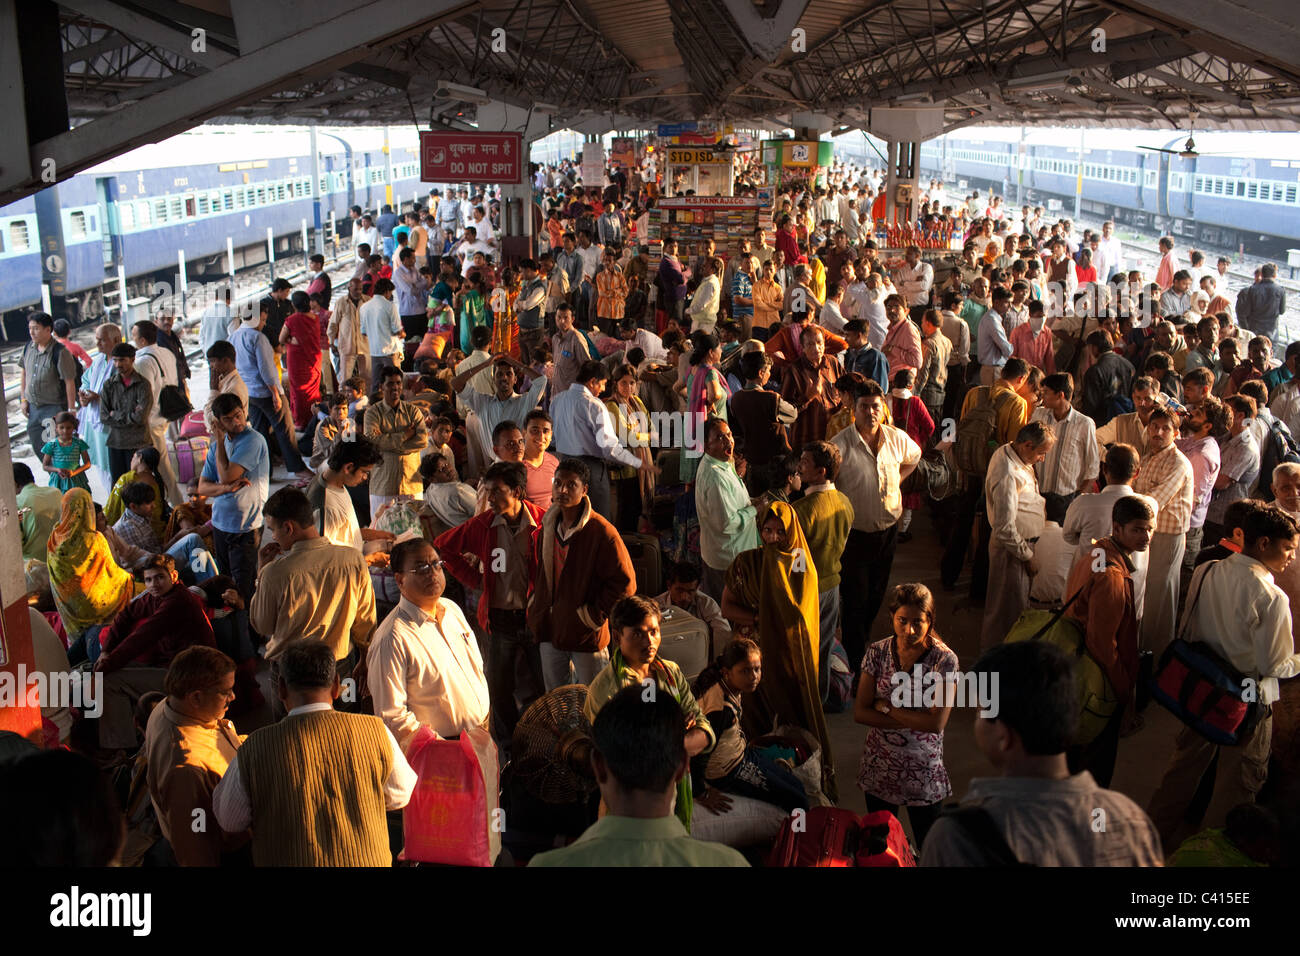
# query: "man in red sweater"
495,553
139,646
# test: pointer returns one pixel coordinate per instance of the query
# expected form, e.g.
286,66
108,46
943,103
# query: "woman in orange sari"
505,325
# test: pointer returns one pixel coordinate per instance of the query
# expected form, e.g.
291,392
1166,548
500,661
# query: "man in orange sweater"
1103,580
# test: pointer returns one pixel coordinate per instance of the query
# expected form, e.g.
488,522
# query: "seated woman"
902,757
634,659
88,585
144,467
771,595
734,766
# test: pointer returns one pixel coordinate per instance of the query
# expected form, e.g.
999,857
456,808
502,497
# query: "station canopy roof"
137,71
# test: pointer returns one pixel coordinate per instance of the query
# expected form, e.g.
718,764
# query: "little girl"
733,766
67,457
902,757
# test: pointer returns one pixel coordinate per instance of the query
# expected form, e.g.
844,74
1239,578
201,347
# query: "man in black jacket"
1259,305
1110,375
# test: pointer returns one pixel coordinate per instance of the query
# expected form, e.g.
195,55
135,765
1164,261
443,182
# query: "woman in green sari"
771,595
473,311
634,629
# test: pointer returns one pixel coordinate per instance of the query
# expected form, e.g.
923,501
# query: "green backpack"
976,439
1097,699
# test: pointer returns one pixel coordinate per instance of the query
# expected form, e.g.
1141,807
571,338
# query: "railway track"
250,286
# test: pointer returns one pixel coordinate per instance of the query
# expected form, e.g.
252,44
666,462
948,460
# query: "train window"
19,239
160,210
239,199
125,216
145,212
1241,187
1278,192
176,208
1252,190
204,206
228,200
1290,194
1200,184
261,196
77,225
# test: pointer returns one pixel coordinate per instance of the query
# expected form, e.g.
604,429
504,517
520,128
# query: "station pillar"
904,129
517,200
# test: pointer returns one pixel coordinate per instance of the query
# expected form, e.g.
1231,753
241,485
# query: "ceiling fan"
1189,150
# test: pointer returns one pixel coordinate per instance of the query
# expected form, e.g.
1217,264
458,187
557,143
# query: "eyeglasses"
426,568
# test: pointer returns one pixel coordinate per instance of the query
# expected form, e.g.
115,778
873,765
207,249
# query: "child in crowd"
734,766
330,432
634,634
67,457
902,757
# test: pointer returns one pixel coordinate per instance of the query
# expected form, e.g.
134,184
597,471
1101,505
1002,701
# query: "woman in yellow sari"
771,594
89,588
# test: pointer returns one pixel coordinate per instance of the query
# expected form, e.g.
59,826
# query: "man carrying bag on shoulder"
1236,611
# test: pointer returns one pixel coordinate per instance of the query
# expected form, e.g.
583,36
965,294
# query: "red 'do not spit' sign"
471,157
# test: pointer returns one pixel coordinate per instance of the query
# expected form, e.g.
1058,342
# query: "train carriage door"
1162,181
109,227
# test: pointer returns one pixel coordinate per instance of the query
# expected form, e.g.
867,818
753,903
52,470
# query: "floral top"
904,766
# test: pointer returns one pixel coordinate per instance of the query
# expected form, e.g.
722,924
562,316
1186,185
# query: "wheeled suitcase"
684,640
647,560
825,836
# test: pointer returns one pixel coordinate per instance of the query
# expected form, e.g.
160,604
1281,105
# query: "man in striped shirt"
1165,475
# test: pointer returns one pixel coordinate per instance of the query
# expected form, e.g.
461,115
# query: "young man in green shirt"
638,758
827,517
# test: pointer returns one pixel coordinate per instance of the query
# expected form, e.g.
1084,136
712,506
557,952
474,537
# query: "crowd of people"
461,451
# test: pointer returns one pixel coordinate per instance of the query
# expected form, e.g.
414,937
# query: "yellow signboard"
681,156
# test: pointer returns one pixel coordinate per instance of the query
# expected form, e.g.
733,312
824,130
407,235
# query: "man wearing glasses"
424,666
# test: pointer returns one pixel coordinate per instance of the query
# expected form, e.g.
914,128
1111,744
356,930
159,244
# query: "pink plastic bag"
447,819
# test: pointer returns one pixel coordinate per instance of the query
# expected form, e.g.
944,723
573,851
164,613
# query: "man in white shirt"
215,325
868,304
914,281
348,466
831,316
1072,463
157,366
1237,610
425,669
1016,514
875,458
703,310
223,377
1110,253
583,429
367,234
1088,519
381,324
